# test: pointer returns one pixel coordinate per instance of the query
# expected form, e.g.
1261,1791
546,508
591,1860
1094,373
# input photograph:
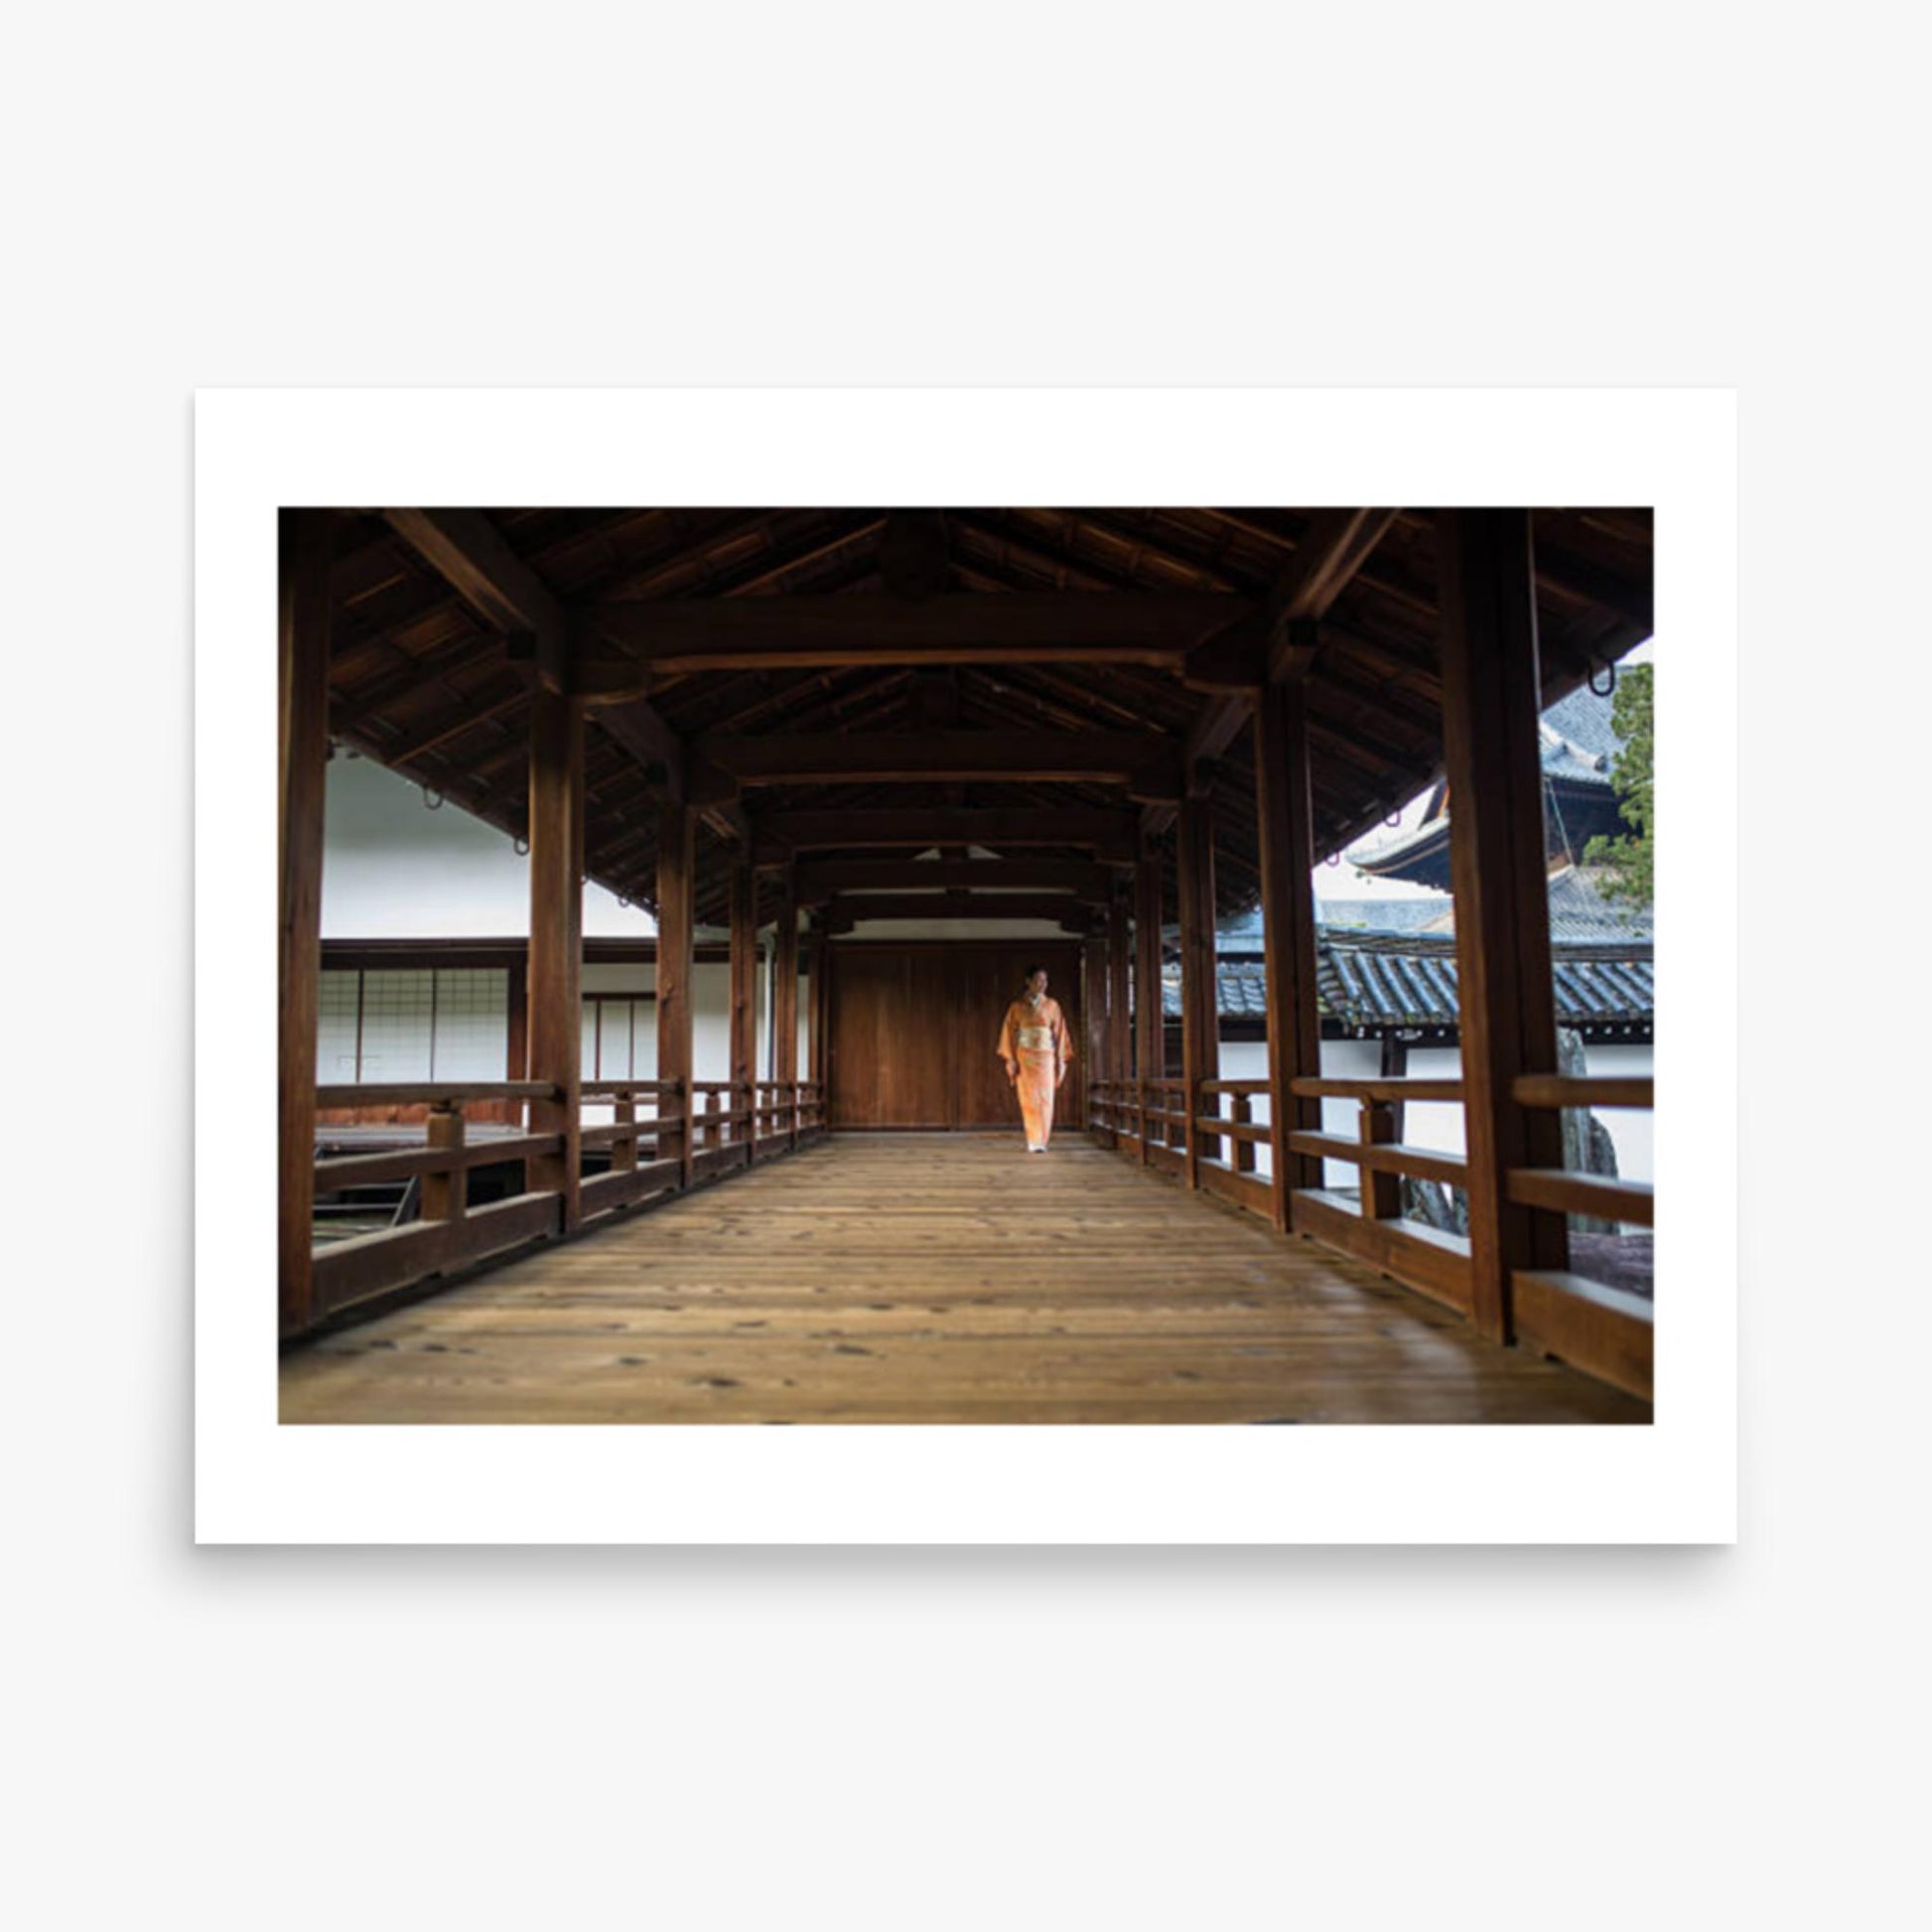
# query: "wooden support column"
676,866
1493,763
784,1000
1200,1053
307,545
556,1024
1120,1022
821,966
743,1000
1093,1004
1287,820
1151,1037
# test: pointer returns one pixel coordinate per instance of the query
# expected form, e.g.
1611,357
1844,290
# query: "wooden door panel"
914,1029
893,1056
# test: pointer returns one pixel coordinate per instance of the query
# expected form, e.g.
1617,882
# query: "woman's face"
1036,986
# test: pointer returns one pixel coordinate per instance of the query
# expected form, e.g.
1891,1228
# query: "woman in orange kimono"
1033,1044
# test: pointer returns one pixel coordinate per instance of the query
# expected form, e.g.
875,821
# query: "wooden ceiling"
434,663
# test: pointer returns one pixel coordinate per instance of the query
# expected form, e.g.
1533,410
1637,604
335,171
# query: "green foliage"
1628,859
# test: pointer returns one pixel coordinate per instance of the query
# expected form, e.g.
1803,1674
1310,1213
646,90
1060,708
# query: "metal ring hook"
1605,691
433,799
522,847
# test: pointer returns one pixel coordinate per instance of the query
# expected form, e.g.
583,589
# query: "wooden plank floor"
932,1278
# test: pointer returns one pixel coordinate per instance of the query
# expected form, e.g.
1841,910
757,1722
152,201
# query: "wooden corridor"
937,1279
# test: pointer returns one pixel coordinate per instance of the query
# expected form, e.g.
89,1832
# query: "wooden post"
1199,1024
784,1001
1492,761
677,864
1150,1056
1381,1192
1093,998
1284,807
744,1001
446,1195
307,548
1395,1066
1244,1149
517,1057
827,1012
624,1153
1120,1022
556,1022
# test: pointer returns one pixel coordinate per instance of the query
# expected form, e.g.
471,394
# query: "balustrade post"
623,1149
446,1190
1381,1192
1244,1149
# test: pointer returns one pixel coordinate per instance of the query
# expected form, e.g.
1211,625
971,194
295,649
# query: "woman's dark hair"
1027,978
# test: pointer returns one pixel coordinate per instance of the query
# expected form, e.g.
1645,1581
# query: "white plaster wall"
393,870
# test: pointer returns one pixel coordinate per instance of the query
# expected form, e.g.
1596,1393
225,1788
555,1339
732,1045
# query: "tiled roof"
1382,980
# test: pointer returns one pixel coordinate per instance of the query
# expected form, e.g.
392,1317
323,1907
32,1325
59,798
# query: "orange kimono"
1033,1044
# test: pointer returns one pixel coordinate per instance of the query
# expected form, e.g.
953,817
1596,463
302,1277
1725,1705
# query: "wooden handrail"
419,1094
402,1163
1235,1130
1544,1090
1387,1157
1313,1089
1249,1087
624,1089
1559,1190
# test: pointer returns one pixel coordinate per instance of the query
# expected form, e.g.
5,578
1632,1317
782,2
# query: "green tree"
1628,859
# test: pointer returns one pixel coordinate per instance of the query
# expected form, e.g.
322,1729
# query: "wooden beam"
1332,551
471,554
1505,994
306,543
677,884
819,878
468,551
960,905
838,631
1285,809
555,1026
1110,832
1146,762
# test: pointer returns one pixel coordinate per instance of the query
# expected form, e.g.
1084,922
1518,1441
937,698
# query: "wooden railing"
645,1143
1601,1330
449,1234
1234,1179
1600,1327
647,1156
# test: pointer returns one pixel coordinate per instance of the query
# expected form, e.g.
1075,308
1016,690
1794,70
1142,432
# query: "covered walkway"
933,1277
